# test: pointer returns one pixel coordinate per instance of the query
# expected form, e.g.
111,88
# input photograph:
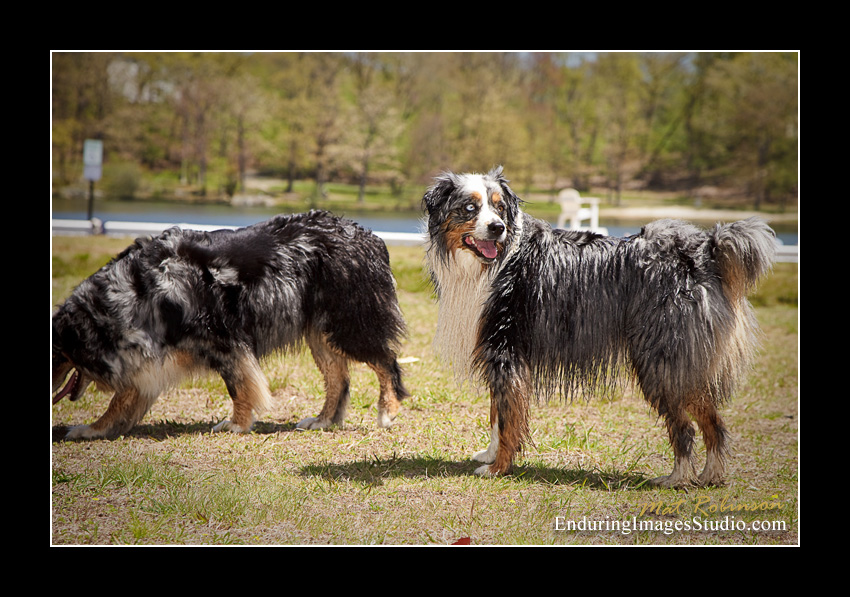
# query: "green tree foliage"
656,119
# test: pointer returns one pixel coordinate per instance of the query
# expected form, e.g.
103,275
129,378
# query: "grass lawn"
171,481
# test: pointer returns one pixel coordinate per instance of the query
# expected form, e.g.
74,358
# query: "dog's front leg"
488,456
508,429
126,408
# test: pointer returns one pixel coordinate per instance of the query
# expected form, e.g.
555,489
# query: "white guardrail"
784,253
118,228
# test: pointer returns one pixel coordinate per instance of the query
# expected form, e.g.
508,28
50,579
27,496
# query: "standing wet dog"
186,301
531,311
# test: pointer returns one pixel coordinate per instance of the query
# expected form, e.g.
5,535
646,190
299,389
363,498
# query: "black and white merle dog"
531,311
187,300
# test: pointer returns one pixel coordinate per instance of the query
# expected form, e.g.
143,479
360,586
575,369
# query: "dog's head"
472,212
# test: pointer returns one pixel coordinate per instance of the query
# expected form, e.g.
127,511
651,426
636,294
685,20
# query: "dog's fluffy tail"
745,251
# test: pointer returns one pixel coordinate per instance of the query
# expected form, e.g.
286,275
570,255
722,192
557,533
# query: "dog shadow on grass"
378,468
375,470
162,430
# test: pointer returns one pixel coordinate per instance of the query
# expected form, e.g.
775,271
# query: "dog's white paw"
483,471
81,432
230,426
671,482
384,420
488,456
312,424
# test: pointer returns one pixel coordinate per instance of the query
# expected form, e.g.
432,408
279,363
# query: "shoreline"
691,213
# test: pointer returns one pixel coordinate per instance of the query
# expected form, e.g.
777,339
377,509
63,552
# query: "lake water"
226,215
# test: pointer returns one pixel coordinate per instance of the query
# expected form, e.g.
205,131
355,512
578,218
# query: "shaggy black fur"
222,300
567,311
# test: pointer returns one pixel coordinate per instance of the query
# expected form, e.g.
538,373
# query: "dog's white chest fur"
464,287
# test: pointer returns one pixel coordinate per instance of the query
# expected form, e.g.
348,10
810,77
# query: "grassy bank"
170,481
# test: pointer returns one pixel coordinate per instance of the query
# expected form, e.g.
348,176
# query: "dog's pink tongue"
487,248
68,387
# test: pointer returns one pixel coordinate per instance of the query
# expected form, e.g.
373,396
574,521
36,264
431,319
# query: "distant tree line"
660,120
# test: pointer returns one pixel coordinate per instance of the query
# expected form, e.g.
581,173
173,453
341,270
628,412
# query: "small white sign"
92,159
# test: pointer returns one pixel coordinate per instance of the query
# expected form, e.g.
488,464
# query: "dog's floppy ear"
444,185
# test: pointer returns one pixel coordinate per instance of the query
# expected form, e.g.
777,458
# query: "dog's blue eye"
470,207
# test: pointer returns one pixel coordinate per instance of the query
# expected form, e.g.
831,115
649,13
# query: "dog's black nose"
496,227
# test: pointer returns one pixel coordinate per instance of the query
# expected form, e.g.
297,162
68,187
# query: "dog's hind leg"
126,408
249,390
715,437
392,390
334,368
681,433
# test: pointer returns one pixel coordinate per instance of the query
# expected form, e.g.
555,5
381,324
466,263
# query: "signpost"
92,161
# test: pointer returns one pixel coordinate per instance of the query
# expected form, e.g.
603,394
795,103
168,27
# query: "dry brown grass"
171,481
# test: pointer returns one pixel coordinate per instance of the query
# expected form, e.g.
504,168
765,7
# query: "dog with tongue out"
528,312
471,214
474,222
487,248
